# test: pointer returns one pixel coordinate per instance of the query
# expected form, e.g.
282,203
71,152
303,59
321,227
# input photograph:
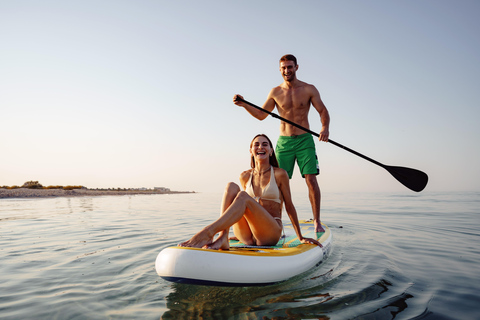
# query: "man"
293,99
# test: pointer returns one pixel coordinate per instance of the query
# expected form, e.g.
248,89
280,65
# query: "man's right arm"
269,105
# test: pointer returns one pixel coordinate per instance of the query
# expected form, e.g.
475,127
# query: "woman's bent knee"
243,196
232,188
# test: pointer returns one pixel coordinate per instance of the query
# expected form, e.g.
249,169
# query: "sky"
120,94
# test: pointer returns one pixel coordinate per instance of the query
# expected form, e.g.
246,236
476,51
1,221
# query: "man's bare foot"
221,243
318,226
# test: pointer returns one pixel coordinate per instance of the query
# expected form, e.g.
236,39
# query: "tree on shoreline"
32,185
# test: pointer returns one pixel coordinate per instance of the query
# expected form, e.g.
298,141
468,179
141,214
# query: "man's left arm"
323,112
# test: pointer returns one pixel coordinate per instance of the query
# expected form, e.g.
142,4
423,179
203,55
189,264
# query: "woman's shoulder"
279,172
245,174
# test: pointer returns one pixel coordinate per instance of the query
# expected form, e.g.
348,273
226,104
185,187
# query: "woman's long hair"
272,159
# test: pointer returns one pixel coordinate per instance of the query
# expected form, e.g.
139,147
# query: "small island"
33,189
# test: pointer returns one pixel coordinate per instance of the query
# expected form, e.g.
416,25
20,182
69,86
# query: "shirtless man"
293,99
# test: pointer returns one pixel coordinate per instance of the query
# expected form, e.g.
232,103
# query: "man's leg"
308,165
285,153
315,198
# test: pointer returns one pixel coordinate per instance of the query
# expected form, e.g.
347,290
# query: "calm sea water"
394,256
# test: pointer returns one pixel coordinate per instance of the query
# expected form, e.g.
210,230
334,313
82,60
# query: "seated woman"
256,213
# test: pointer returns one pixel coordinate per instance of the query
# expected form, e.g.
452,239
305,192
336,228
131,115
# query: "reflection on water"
345,286
393,257
294,299
86,203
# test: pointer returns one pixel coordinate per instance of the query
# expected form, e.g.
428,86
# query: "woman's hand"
311,241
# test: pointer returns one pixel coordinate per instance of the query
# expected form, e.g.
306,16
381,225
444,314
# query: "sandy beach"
40,193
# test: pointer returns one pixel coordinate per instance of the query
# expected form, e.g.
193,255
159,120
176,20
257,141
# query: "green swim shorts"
300,148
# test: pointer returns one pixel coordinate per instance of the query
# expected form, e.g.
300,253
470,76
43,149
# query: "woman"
256,213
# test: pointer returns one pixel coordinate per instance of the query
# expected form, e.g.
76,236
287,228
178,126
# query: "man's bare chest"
294,98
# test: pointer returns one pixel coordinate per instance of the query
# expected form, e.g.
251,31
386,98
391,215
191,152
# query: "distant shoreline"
47,193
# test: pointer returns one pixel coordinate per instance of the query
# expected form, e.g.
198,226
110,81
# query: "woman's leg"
231,192
253,222
229,196
257,226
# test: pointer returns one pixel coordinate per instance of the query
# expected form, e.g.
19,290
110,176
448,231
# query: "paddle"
413,179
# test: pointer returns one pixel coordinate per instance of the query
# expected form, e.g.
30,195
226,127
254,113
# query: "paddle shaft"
314,133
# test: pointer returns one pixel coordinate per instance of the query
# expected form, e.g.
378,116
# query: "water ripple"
393,257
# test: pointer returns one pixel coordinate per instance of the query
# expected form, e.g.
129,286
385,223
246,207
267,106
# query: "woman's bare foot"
221,243
198,241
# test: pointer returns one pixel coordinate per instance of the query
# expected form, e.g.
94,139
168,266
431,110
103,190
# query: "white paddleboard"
245,265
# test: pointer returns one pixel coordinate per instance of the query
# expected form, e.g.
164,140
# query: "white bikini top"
270,192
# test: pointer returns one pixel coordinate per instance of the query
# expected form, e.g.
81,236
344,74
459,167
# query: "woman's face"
260,148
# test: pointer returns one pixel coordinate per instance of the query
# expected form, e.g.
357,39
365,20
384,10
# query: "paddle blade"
413,179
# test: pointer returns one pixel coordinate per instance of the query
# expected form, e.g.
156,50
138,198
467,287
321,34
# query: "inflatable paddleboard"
245,265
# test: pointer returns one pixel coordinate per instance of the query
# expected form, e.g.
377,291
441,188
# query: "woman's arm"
283,182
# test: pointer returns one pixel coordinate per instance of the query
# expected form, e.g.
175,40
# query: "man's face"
288,70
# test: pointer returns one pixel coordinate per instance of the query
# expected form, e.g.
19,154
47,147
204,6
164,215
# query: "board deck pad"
289,239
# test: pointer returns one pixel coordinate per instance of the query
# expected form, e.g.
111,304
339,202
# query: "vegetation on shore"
36,185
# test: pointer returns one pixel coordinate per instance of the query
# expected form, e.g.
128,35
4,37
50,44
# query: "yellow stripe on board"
275,252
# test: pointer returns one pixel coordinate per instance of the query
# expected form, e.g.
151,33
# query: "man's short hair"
289,57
